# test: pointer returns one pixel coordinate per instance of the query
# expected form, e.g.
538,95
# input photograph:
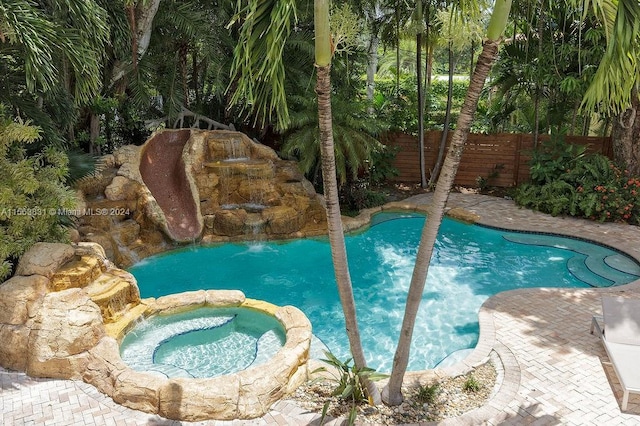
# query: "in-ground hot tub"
203,342
210,355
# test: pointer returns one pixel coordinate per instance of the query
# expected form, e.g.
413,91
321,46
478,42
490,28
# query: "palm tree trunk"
626,134
397,49
141,23
421,159
323,55
436,209
392,393
423,167
447,119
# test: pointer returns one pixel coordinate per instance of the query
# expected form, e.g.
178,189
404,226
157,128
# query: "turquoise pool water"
470,263
203,342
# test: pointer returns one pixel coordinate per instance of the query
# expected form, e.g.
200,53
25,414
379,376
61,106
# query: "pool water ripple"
469,264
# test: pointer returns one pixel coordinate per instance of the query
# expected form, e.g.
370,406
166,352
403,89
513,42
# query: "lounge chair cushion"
626,362
622,321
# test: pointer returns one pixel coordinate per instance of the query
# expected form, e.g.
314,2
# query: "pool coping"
62,402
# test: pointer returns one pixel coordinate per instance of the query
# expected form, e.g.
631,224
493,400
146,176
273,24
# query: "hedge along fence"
501,159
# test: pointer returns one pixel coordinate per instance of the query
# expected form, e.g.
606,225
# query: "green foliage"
427,394
589,186
484,182
400,108
346,28
549,64
358,195
349,381
471,384
258,69
354,135
32,192
553,159
381,167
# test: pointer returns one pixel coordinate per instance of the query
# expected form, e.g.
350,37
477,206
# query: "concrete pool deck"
553,370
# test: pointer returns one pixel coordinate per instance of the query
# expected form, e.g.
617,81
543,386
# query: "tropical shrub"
400,107
590,186
33,197
355,137
350,379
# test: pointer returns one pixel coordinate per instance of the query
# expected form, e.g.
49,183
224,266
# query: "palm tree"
392,393
614,89
52,58
354,137
258,71
324,53
264,31
458,32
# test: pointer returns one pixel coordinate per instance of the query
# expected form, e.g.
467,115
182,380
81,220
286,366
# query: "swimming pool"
469,264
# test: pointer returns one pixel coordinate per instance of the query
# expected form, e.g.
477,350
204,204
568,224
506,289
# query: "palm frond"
258,70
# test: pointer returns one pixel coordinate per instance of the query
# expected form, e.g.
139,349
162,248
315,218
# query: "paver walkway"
553,370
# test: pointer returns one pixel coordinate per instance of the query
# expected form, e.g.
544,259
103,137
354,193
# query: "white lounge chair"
620,335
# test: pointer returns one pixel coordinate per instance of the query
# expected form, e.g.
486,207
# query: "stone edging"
63,313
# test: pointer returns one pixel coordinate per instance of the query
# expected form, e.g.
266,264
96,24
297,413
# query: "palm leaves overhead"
187,62
52,57
46,37
258,71
619,71
548,62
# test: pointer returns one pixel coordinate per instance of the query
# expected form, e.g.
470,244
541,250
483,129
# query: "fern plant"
32,192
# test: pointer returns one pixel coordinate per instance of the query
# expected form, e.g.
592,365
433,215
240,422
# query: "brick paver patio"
552,370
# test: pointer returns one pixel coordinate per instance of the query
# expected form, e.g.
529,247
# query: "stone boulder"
126,154
121,188
283,219
104,365
15,339
67,325
192,400
44,259
230,222
20,298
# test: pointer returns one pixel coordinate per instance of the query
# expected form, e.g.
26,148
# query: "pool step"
578,268
166,370
589,264
600,266
454,357
624,264
268,345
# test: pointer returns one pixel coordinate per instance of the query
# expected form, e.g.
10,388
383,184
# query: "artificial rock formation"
65,317
191,185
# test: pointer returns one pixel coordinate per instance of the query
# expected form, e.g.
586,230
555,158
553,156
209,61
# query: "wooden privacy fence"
502,159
